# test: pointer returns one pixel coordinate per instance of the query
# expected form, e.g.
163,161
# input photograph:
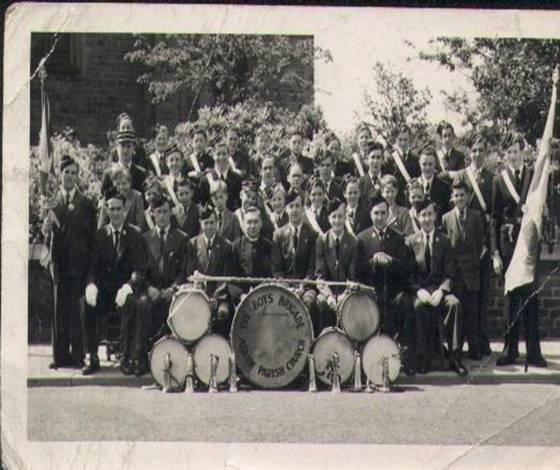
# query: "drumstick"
203,277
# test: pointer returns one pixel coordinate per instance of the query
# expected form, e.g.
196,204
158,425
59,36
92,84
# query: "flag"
523,265
46,166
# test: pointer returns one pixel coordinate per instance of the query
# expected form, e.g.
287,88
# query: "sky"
340,84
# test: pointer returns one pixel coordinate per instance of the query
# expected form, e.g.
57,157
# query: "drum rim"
189,342
211,335
340,313
384,336
161,340
246,376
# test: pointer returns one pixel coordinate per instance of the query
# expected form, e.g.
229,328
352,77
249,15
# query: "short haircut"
477,138
415,184
373,146
403,128
322,156
352,180
316,183
422,205
294,165
460,185
389,180
443,125
183,182
120,172
218,187
253,210
197,130
268,157
512,138
234,129
296,132
158,201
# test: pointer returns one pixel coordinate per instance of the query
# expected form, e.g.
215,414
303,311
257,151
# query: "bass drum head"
212,344
169,352
375,350
333,340
189,315
271,335
359,316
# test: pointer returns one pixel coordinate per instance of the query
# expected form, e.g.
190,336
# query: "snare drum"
218,346
359,316
271,335
333,340
190,315
374,352
169,357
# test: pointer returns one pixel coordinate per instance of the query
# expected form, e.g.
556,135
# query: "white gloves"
122,294
433,299
424,296
91,294
436,297
497,263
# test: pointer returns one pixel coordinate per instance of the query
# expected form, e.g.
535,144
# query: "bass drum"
168,362
375,351
359,316
271,335
333,340
190,316
202,357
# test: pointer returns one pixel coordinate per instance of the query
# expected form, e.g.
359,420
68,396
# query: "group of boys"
424,230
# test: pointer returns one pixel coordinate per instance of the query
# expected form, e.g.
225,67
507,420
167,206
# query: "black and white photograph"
279,237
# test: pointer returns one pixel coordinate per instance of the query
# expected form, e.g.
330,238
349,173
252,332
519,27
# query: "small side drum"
169,357
375,351
359,316
333,340
190,316
202,357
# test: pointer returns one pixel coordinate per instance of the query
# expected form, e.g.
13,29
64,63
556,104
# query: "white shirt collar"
513,170
458,211
114,229
209,241
424,180
431,233
295,228
71,193
165,231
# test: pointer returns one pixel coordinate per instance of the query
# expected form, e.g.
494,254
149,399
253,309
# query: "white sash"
401,166
313,220
511,188
476,188
194,162
415,227
358,164
440,155
169,186
149,219
232,165
239,216
155,162
211,181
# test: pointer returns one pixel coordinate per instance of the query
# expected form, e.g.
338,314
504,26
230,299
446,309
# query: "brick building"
90,84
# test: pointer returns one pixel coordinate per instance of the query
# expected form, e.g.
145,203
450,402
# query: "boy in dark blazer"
357,215
71,238
450,160
185,217
435,188
115,280
432,282
465,230
335,260
213,256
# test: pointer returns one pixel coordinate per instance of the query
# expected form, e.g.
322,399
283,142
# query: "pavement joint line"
499,431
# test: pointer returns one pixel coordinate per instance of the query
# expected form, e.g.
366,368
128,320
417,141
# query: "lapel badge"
70,207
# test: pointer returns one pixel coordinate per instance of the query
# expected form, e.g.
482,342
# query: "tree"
511,76
396,101
228,69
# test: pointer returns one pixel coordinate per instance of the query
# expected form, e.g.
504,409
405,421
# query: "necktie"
67,199
427,188
351,216
117,239
209,250
517,177
295,239
428,254
161,240
219,221
337,247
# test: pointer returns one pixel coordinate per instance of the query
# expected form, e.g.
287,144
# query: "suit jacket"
466,243
506,211
407,224
241,160
453,161
335,189
322,220
138,175
233,182
398,272
283,220
441,274
72,242
305,163
252,259
191,224
133,209
362,219
220,263
205,162
369,189
111,268
343,168
151,168
330,268
294,262
440,193
230,228
171,267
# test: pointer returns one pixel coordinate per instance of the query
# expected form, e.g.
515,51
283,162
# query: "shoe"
80,364
457,366
506,361
140,368
92,367
126,366
538,361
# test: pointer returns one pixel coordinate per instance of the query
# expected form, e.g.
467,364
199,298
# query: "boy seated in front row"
213,255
